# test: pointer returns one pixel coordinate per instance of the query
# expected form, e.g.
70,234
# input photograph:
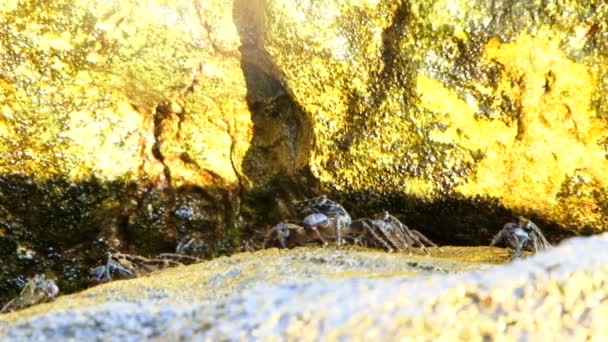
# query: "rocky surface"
415,100
136,126
103,110
312,294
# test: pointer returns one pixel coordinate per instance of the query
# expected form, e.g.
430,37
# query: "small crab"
327,219
289,235
36,290
113,267
539,242
325,214
192,244
524,235
392,234
124,266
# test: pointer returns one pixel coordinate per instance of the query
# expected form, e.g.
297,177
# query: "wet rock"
324,293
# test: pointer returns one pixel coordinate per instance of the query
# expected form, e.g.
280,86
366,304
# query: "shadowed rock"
321,293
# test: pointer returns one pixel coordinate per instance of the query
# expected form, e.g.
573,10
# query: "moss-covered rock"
436,99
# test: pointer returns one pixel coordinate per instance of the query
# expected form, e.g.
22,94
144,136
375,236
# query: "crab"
386,230
124,266
36,290
289,235
326,219
325,214
539,242
192,244
524,235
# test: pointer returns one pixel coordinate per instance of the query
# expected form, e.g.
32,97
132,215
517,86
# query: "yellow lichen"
556,130
463,128
89,77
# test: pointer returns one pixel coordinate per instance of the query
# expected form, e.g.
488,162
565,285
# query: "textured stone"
120,121
134,126
500,101
306,294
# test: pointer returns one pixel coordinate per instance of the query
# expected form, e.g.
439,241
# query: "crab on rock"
386,230
326,219
524,235
325,214
124,266
37,290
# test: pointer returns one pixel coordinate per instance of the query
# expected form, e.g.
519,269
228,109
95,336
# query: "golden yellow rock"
111,115
435,99
555,136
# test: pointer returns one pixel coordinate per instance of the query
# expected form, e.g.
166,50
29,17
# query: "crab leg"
7,305
318,235
282,241
108,265
377,237
338,232
420,237
424,238
498,238
405,235
179,258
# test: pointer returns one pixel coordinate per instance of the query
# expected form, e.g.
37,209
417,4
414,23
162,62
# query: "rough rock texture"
120,121
561,294
500,101
138,125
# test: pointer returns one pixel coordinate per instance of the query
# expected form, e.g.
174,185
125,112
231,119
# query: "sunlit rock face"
122,125
136,125
500,101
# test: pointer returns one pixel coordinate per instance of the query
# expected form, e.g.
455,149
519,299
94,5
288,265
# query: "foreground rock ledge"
310,294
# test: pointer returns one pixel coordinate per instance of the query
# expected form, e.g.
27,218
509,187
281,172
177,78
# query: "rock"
461,100
138,127
122,126
323,293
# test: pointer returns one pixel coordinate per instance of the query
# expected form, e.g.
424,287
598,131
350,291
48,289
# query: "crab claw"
312,222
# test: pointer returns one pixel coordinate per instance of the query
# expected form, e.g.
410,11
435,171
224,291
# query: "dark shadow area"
451,221
282,131
62,228
51,227
276,164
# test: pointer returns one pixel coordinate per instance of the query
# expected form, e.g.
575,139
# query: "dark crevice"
282,136
275,166
161,113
